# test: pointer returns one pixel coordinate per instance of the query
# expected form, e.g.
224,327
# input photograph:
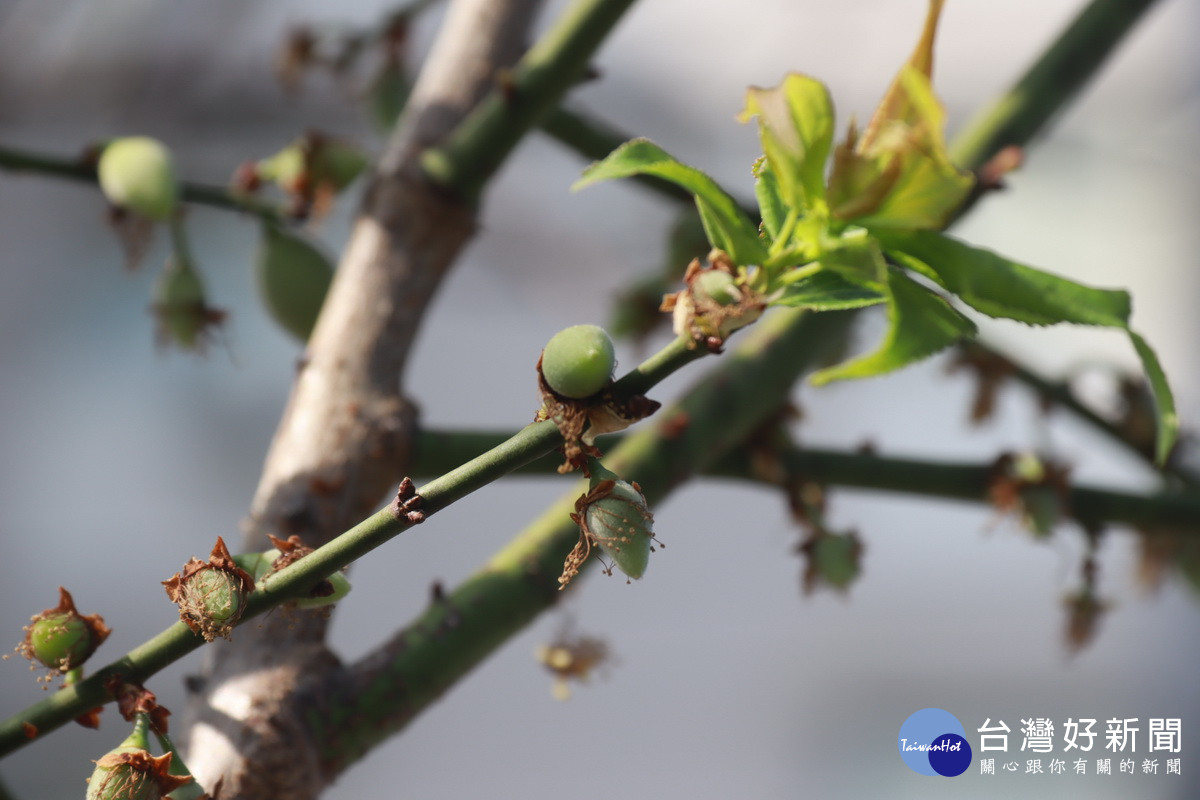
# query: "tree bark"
343,441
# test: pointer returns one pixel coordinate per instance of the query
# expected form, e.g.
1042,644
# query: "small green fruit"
61,641
179,305
211,595
61,638
136,173
130,772
578,361
337,163
293,279
285,168
622,525
718,285
833,559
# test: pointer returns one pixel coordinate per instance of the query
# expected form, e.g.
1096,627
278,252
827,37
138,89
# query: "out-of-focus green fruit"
578,361
179,304
293,279
136,173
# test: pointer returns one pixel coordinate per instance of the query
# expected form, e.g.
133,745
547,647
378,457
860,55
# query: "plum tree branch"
456,633
83,170
389,687
968,481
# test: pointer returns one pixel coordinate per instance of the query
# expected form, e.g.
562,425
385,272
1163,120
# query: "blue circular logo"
934,742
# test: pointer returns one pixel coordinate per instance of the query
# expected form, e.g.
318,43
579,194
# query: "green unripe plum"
835,558
622,525
180,304
61,641
216,595
293,279
136,173
578,361
718,285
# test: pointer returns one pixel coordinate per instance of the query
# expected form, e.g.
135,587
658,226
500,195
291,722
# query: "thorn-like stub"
407,504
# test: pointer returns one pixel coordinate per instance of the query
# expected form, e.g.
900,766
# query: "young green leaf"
921,323
903,177
1164,400
1000,287
727,225
795,125
857,256
770,203
828,291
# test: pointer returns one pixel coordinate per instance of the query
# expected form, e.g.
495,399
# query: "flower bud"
293,279
61,638
136,173
211,595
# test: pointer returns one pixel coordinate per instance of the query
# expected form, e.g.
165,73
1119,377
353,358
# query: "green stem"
84,171
391,686
1014,118
435,450
1050,84
400,679
172,644
1060,394
475,150
1092,506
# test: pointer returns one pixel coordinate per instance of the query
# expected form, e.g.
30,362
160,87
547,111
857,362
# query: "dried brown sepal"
291,550
1167,550
580,421
1037,489
572,658
134,233
990,177
296,53
133,773
1084,608
990,371
133,699
211,594
1084,612
88,719
86,633
708,320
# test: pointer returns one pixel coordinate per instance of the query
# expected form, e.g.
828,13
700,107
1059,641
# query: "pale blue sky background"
118,461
